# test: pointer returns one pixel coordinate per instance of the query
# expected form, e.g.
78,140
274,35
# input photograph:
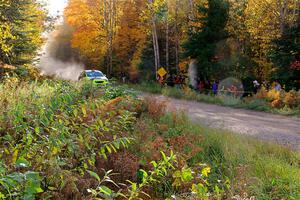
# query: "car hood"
98,78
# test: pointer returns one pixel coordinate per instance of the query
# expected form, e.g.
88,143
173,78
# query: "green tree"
286,57
212,18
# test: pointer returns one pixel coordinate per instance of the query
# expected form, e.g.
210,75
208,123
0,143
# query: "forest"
62,137
251,39
248,39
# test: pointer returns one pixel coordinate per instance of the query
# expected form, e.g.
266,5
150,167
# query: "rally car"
96,76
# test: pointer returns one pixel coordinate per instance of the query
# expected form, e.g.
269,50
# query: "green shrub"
172,92
151,87
256,104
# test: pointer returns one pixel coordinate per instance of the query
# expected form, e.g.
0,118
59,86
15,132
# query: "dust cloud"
192,72
58,58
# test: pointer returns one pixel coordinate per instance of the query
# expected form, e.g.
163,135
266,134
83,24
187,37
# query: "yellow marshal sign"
162,72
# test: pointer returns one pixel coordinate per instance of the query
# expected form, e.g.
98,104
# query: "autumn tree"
21,26
95,26
228,38
88,36
255,24
154,6
130,39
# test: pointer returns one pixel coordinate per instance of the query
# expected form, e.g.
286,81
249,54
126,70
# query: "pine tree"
201,44
286,57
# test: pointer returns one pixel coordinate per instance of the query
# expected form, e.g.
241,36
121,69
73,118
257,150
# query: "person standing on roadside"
215,88
277,86
256,86
201,86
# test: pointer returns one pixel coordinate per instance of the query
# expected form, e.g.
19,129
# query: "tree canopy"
227,38
256,39
21,27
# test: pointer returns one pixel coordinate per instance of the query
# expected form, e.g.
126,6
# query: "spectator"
277,86
256,86
232,90
177,81
160,80
215,88
170,80
201,86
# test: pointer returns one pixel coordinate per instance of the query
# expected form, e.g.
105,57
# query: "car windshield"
94,74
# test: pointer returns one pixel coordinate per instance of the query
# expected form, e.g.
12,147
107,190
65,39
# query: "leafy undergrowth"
283,103
61,140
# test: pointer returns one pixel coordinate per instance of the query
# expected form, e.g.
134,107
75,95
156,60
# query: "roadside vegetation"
62,140
284,103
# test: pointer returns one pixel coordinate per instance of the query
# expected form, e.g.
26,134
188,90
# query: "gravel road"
275,128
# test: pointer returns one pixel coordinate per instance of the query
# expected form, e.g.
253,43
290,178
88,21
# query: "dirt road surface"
264,126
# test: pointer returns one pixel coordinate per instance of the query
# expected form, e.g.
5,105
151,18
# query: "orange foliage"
130,38
155,108
277,103
90,33
179,143
85,17
124,163
292,99
112,103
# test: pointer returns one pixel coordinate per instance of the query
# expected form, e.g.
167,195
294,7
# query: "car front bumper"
100,82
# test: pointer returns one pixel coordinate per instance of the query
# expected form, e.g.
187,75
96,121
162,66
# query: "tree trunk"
176,37
107,33
155,40
154,49
191,6
191,15
295,14
283,6
167,38
111,32
156,46
110,20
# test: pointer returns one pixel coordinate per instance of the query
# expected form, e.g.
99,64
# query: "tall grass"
260,169
151,87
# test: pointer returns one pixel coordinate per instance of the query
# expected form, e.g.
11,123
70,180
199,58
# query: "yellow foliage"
278,99
292,99
33,72
273,95
89,35
183,65
130,38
